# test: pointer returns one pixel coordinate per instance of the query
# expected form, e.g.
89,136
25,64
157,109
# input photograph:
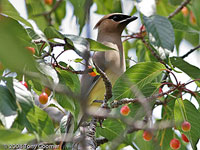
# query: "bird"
112,62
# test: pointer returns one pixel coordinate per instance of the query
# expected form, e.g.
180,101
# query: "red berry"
31,49
24,83
175,144
125,110
186,126
147,135
43,98
184,138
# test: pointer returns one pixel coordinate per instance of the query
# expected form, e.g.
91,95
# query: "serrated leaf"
138,76
49,71
177,25
32,34
81,12
96,46
7,102
13,40
23,96
60,12
50,32
193,116
190,70
9,10
72,82
161,34
40,122
13,136
111,129
34,8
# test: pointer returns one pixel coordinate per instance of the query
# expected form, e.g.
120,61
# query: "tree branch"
178,9
191,51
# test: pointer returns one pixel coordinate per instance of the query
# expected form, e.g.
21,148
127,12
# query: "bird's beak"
128,20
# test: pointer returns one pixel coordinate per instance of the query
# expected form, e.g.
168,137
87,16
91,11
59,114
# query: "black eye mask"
118,18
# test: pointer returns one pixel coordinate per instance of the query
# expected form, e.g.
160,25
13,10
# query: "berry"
48,2
48,91
24,83
185,11
31,49
192,18
186,126
175,144
184,138
125,110
147,135
93,74
43,98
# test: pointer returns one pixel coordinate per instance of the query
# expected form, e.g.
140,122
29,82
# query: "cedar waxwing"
112,62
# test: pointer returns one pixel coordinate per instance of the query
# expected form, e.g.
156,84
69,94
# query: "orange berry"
184,138
48,91
93,74
185,11
31,49
125,110
192,18
43,98
175,144
147,135
186,126
24,83
48,2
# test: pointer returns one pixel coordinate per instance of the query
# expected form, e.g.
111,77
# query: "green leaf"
7,102
81,12
13,40
23,96
33,34
50,32
161,33
40,122
9,10
105,7
49,71
111,129
96,46
190,70
175,2
141,144
80,44
163,8
193,116
34,8
13,136
139,76
60,12
177,25
72,82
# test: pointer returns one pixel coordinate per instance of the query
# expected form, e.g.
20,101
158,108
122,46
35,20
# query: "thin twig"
178,9
116,104
188,53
